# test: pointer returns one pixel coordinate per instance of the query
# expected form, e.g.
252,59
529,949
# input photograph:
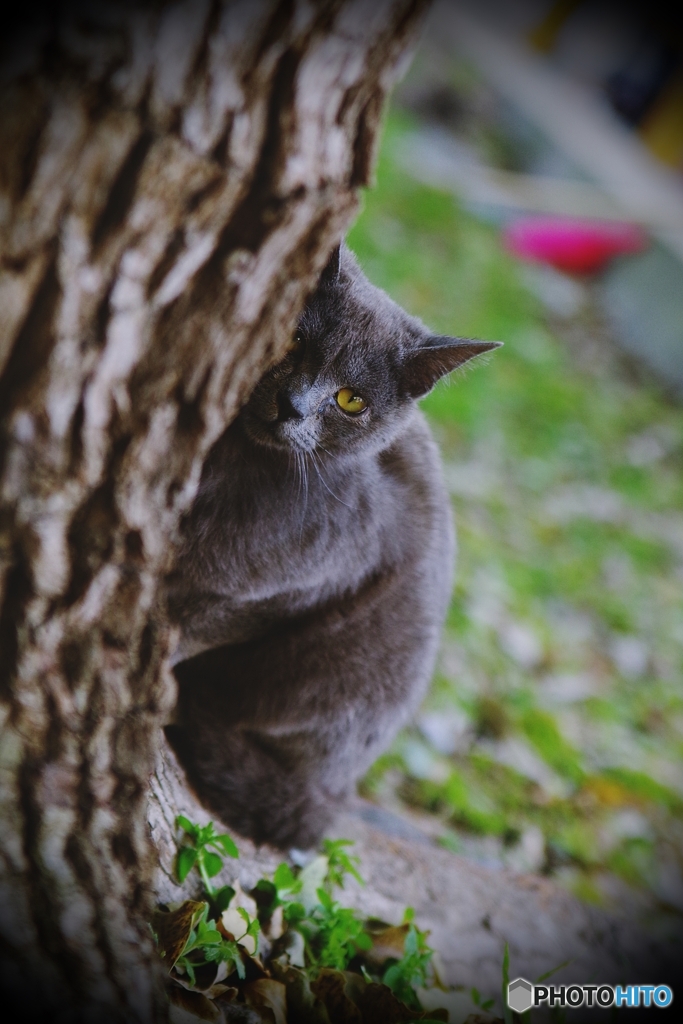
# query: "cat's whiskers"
298,470
317,463
304,474
327,452
322,481
301,473
316,444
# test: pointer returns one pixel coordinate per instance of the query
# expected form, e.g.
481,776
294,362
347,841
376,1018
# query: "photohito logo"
523,996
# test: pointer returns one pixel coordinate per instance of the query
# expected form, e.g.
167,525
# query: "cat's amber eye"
297,341
349,401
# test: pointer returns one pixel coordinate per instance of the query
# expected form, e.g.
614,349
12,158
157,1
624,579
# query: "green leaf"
507,1012
186,825
392,975
266,887
294,913
326,900
202,914
186,860
253,926
239,967
226,844
332,846
189,969
554,970
284,880
212,863
222,898
208,934
340,863
206,834
411,945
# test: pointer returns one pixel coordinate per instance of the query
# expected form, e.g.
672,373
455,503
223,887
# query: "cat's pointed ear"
437,357
333,267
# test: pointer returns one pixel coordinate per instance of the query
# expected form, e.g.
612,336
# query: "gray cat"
315,573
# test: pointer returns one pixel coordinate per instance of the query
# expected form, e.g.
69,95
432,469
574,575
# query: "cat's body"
316,569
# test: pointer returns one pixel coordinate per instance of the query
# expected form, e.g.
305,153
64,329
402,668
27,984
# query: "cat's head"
356,366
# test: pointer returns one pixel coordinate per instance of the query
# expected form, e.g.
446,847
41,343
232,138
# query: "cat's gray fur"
316,568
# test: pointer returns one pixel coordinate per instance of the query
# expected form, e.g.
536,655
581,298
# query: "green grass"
533,442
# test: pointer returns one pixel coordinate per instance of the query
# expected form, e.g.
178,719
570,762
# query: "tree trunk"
173,176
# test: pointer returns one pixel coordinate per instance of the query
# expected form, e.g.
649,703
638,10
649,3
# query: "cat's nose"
290,407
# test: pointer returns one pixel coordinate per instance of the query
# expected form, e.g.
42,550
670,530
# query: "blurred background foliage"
552,739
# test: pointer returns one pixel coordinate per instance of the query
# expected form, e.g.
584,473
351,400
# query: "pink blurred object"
575,246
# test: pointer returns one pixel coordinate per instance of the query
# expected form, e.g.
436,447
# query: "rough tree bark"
173,178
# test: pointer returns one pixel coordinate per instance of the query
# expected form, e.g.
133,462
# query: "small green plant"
208,862
525,1017
340,863
413,969
331,938
278,892
189,936
206,945
333,935
475,996
507,1012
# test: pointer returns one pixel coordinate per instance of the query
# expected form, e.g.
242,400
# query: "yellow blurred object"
607,792
544,36
662,129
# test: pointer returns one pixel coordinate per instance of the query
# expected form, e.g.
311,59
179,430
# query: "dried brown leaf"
193,1003
386,943
334,989
172,929
253,967
219,990
380,1006
267,994
303,1006
376,924
290,944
